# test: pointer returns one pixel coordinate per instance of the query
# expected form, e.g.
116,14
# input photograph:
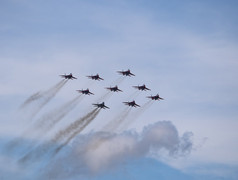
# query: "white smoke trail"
73,131
125,124
61,139
70,128
40,99
134,95
105,96
118,81
39,94
50,119
113,125
42,126
47,96
32,98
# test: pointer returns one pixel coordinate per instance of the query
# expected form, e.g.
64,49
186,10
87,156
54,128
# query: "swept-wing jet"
142,88
95,77
69,76
87,92
114,89
132,103
101,105
156,97
126,73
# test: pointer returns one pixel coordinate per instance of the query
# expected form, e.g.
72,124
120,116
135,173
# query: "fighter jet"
87,92
102,105
95,77
126,73
142,88
114,89
69,76
132,104
156,97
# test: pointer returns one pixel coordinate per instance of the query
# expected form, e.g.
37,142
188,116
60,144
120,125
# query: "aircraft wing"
136,105
105,107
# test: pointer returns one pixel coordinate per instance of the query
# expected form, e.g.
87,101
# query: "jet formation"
114,89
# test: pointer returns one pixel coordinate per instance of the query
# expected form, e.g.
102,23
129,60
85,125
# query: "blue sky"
185,50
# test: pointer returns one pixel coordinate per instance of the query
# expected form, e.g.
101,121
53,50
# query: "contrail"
136,114
68,133
39,94
81,124
33,97
113,125
118,81
134,94
42,98
49,120
46,123
105,96
63,133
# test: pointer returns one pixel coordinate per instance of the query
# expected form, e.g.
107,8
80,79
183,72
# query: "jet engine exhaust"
42,98
65,136
136,114
77,127
118,120
49,120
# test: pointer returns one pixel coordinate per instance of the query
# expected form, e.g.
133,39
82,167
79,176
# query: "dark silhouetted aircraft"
96,77
70,76
142,88
102,105
132,103
114,89
126,73
87,92
156,97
